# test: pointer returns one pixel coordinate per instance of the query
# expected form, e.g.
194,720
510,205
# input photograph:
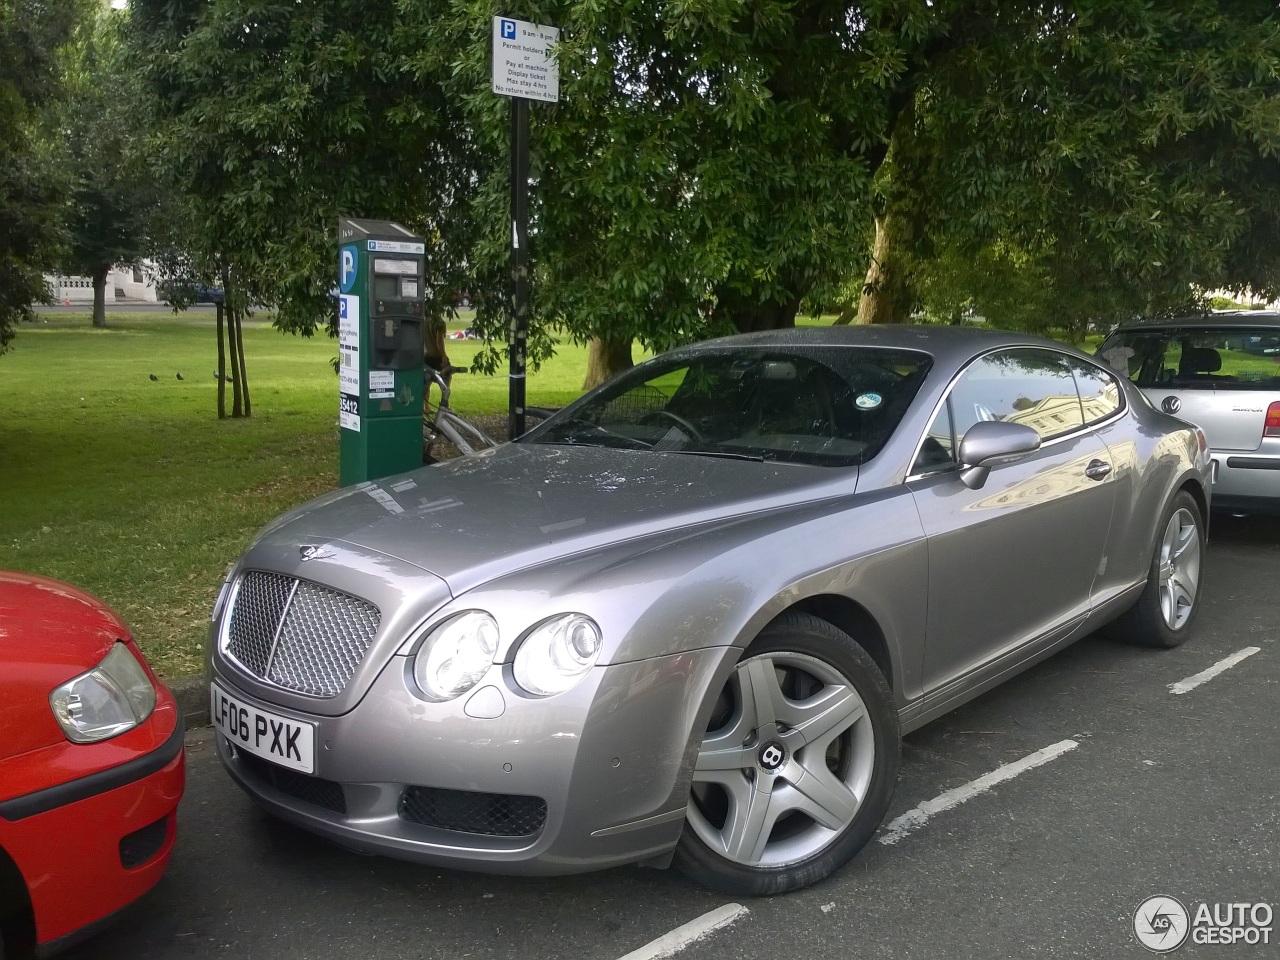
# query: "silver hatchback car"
1222,373
689,617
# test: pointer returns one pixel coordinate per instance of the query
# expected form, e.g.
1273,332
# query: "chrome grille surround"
296,634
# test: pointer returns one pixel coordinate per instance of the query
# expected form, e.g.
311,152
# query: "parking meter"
381,293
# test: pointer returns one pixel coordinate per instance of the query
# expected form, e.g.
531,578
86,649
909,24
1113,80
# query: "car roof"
947,344
1219,318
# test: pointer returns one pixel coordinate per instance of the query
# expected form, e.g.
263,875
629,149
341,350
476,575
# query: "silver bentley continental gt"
688,618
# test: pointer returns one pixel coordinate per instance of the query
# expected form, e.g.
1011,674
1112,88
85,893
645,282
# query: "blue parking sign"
508,29
346,269
342,308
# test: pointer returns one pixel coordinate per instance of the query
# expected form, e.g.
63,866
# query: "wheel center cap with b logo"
771,755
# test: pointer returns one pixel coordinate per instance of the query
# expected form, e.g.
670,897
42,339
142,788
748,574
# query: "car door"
1015,559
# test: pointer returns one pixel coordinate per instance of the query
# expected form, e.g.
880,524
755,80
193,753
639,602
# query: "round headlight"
455,655
557,654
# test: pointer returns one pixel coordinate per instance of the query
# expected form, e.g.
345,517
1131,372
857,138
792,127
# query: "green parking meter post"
381,290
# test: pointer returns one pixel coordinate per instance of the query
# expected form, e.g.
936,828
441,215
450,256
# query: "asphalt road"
1160,794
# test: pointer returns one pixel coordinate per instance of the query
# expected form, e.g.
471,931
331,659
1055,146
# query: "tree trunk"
233,345
605,360
753,317
222,367
100,296
887,296
237,313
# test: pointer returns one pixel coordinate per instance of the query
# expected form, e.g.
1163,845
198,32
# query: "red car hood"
49,633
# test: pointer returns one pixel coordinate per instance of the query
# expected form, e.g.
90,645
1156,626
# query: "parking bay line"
669,944
1193,681
916,817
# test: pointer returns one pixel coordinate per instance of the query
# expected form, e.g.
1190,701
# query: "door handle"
1097,469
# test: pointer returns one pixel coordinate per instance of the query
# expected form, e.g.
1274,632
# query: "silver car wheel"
788,768
1179,568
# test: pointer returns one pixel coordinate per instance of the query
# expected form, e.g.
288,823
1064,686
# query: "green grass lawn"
134,490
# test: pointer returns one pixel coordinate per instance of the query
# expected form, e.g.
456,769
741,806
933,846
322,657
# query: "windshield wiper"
600,431
725,455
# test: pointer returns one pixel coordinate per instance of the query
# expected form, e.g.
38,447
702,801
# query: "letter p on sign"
347,269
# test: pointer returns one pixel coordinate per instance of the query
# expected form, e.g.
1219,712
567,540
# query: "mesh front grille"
487,814
260,604
306,637
300,786
324,638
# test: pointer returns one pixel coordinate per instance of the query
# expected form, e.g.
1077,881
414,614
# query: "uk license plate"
281,740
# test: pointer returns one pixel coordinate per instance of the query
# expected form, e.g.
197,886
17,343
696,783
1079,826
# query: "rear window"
1215,358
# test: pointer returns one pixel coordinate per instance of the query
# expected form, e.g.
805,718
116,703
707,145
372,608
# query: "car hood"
472,519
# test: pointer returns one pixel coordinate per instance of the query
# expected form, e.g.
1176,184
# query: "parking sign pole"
524,69
518,332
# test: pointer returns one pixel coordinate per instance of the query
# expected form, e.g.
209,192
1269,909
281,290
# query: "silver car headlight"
557,654
113,697
455,655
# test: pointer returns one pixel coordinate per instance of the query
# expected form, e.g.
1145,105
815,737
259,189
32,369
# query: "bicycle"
442,420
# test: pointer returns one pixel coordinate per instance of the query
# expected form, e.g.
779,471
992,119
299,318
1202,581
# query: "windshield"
1214,358
826,406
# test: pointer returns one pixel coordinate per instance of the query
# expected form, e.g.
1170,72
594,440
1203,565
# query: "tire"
794,776
1167,607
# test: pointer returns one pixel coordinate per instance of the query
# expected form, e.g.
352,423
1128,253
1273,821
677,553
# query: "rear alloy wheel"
1163,614
797,767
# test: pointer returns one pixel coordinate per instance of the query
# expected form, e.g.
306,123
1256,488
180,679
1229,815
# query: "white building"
123,283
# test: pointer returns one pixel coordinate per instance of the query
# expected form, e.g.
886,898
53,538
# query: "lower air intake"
484,814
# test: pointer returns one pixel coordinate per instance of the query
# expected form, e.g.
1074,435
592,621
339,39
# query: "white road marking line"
915,818
1182,686
669,944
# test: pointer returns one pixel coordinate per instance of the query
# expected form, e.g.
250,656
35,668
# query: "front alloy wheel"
797,766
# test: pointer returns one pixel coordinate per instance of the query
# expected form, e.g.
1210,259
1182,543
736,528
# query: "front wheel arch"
17,921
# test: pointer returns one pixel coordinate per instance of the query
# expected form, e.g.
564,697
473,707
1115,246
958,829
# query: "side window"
1099,391
938,452
1024,385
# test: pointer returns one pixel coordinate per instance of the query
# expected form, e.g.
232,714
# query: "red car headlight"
112,698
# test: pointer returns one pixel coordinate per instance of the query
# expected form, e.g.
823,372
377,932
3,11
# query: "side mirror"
989,443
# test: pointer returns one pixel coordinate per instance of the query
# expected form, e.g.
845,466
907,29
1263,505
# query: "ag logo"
1161,924
346,269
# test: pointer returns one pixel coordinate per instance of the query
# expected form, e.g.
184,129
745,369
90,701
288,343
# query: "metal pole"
518,331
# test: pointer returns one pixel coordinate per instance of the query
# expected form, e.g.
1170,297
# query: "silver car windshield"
825,406
1214,358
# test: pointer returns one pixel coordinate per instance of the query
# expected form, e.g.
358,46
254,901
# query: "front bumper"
610,760
88,847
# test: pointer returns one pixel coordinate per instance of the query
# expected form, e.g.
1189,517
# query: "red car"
91,766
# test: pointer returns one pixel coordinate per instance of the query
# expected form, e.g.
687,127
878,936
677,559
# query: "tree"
113,199
32,32
274,117
711,166
1112,155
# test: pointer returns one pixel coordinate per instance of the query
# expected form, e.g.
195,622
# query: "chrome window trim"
1058,438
